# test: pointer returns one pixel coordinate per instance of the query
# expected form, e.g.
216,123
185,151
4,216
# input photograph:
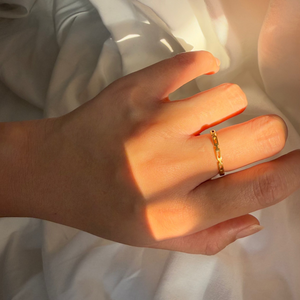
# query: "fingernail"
210,73
218,62
286,130
249,231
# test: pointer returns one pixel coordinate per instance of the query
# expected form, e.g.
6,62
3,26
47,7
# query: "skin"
129,166
278,54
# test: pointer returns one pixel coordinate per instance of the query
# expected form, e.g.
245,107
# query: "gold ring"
218,152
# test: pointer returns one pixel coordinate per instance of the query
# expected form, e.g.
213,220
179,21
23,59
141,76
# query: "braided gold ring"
218,152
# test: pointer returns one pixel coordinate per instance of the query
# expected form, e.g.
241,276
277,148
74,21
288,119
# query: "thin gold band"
218,152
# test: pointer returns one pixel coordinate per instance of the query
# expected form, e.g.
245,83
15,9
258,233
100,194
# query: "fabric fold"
14,9
62,55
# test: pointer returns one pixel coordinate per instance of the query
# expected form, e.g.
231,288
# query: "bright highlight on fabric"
167,44
221,28
128,37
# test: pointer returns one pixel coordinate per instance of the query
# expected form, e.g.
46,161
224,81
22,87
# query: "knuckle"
131,106
211,250
213,247
270,134
124,87
131,92
135,106
167,221
267,187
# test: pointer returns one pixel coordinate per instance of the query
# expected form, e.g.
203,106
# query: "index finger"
167,76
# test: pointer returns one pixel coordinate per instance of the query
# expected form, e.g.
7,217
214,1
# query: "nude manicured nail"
249,231
210,73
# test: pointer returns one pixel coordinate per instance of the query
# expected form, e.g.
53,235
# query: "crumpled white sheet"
15,8
62,54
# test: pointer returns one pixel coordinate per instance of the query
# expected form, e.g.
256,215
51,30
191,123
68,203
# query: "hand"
129,165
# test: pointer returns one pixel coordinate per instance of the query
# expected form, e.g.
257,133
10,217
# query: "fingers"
212,240
165,77
240,145
240,193
205,109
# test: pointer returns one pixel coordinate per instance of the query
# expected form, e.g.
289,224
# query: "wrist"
19,143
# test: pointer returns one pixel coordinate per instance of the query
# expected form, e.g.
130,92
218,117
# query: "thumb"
214,239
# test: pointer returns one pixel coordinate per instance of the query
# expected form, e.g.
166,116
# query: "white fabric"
62,54
15,8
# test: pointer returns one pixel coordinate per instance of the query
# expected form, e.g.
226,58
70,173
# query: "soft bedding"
57,54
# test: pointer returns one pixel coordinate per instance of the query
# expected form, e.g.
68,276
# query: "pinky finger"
214,239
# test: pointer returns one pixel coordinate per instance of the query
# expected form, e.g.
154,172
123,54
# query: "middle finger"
240,145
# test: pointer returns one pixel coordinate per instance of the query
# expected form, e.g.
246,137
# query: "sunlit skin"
129,166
